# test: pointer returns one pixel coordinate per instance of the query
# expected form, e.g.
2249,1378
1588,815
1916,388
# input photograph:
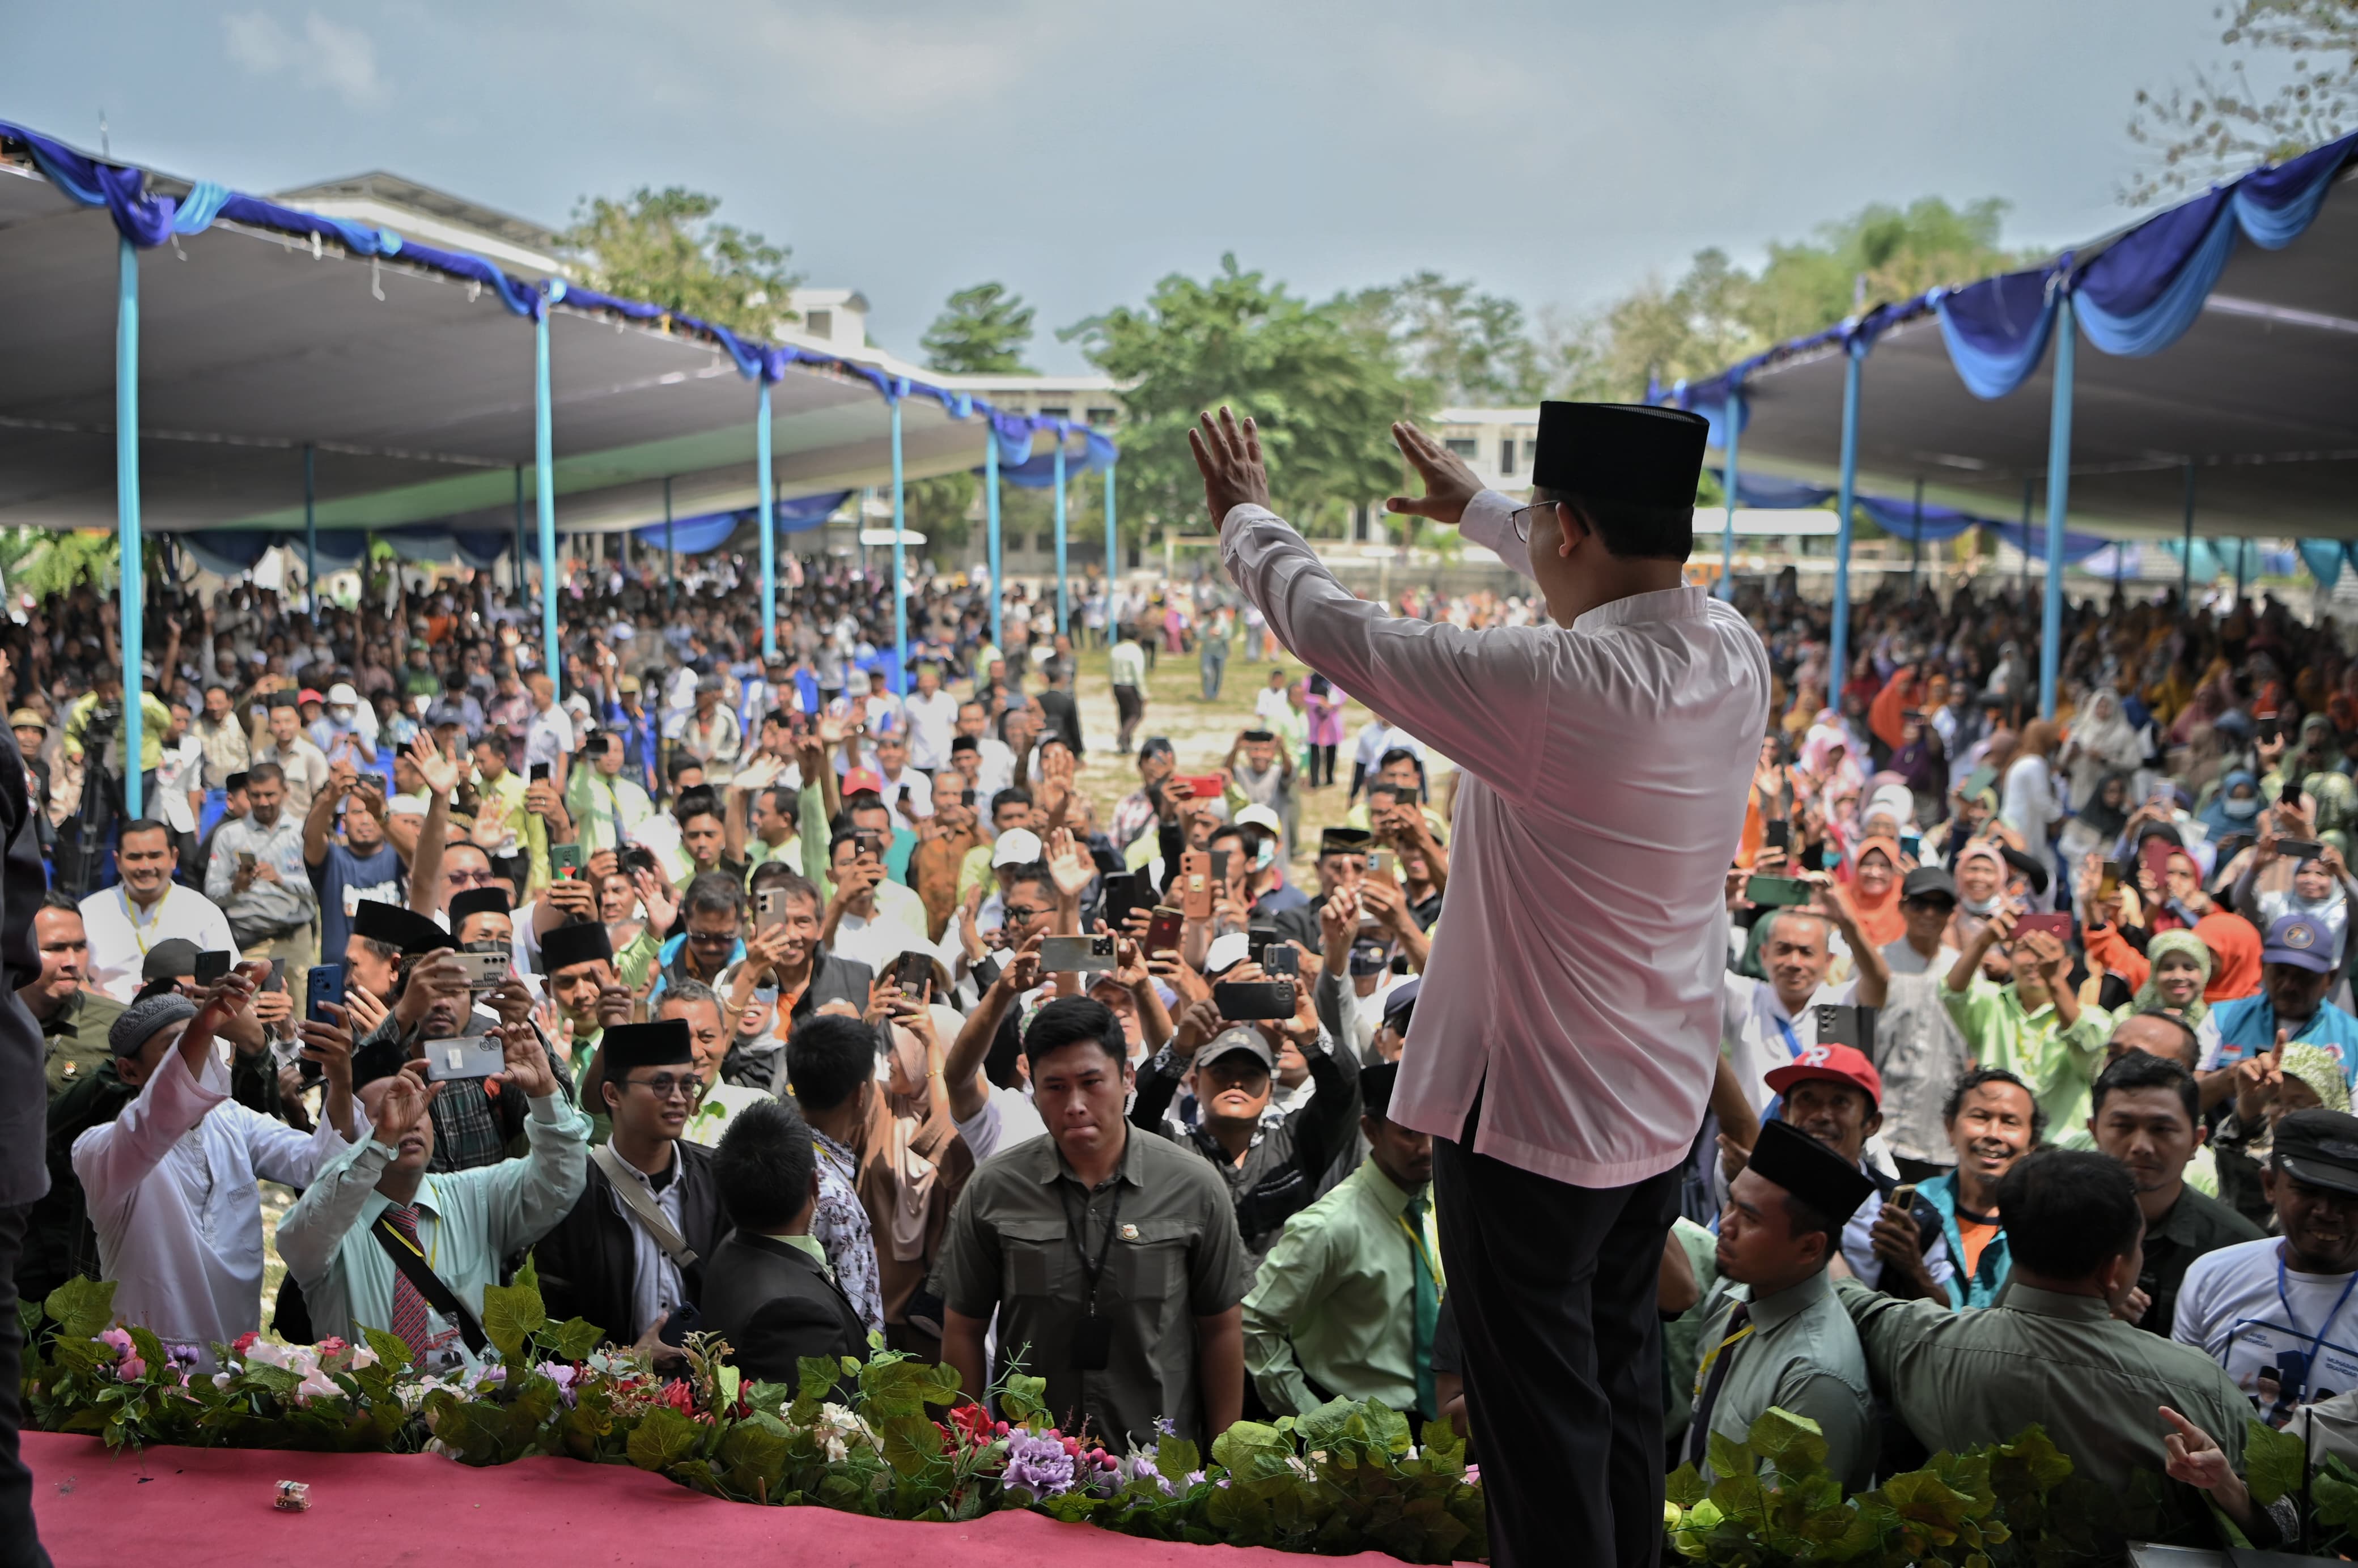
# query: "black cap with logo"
2319,1149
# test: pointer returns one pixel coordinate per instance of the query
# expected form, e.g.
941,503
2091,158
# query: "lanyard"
129,913
1703,1369
2317,1340
1423,1253
1093,1270
1792,1041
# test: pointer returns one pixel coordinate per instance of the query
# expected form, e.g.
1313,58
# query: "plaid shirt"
840,1224
468,1129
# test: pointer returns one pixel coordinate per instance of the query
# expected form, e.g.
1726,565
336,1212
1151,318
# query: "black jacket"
23,1089
775,1304
832,979
586,1263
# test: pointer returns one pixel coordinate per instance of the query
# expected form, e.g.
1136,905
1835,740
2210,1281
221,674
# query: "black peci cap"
1625,453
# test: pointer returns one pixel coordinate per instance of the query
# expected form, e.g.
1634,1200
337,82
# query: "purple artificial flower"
1196,1478
182,1355
1039,1465
562,1374
1166,1426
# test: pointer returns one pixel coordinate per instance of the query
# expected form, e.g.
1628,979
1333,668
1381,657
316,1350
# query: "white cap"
1233,948
1017,847
406,806
1260,817
342,695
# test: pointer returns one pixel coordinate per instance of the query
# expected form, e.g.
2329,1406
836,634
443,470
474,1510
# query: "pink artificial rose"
129,1368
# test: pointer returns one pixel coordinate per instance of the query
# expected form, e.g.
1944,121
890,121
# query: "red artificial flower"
244,1342
974,1423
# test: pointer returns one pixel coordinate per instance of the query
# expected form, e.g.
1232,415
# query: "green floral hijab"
2315,1066
2164,944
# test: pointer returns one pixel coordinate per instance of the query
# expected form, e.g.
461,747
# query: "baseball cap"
28,719
1834,1063
171,960
1260,817
1016,847
308,694
342,695
2301,940
1400,1004
2319,1149
1234,1038
628,683
1929,881
859,779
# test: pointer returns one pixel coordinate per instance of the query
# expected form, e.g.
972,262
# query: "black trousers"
1553,1290
20,1544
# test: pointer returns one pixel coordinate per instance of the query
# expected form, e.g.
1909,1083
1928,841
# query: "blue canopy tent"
2218,402
279,373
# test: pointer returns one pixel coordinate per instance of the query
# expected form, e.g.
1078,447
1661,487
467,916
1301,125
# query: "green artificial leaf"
817,1376
572,1339
1927,1506
82,1307
2274,1462
29,1315
1175,1458
945,1390
1023,1401
2027,1468
1248,1440
527,1275
911,1442
511,1314
1684,1487
1444,1451
1729,1458
893,1387
1794,1444
663,1438
147,1347
754,1451
2333,1492
391,1349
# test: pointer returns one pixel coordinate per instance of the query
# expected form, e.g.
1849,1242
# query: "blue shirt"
1981,1287
2248,1024
343,880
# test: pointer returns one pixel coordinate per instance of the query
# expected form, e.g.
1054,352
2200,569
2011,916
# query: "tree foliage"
1321,380
1455,345
980,331
2287,82
662,246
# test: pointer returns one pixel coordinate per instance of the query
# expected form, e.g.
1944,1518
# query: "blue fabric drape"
2323,558
2077,548
1898,518
1996,330
710,530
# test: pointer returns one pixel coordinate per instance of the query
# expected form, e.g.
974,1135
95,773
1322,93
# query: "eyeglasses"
470,878
1021,912
667,1087
1521,518
712,938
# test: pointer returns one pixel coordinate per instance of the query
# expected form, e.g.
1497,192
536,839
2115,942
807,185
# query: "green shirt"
73,1039
2060,1064
1336,1299
1959,1378
1680,1335
1802,1355
1176,1256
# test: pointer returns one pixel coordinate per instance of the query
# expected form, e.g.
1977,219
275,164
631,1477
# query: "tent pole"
134,596
515,560
310,536
1916,545
544,465
671,557
1727,532
900,563
2186,561
1113,555
990,513
1060,527
1838,667
2059,498
2241,547
2028,488
769,530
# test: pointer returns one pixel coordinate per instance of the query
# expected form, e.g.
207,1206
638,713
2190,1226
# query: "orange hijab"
1879,918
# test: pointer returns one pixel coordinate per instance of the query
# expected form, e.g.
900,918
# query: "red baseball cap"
1835,1064
859,779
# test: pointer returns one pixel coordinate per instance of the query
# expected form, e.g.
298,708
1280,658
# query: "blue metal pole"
310,532
2059,504
990,507
515,562
543,479
126,508
900,566
2186,561
1727,535
1838,666
671,556
1113,555
1060,531
769,527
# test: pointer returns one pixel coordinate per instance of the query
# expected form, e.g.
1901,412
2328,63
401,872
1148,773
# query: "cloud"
325,54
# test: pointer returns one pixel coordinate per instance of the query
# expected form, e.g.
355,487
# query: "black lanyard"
1093,1270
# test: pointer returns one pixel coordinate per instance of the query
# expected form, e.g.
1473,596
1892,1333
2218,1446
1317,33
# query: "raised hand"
441,772
406,1097
1228,456
1449,483
2195,1456
1072,869
656,897
614,1006
528,1071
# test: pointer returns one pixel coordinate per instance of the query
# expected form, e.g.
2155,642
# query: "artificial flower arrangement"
891,1437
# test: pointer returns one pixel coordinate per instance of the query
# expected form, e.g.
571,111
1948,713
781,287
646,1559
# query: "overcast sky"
1555,151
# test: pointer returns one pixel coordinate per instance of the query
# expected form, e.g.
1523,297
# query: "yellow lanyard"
1432,1270
1703,1370
423,1214
128,914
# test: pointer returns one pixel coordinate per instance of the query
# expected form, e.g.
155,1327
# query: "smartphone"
1851,1026
870,842
1243,1000
487,970
1074,955
1903,1198
2289,794
538,774
323,988
476,1057
1778,892
1281,958
1814,858
2108,880
1203,786
1777,835
2300,849
1121,898
769,909
212,966
277,980
2056,926
915,971
2156,855
1381,867
245,861
1260,937
1163,931
1220,865
565,862
1912,846
682,1321
1195,884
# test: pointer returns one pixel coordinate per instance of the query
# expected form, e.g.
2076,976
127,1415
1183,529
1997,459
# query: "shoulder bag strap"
428,1283
642,1205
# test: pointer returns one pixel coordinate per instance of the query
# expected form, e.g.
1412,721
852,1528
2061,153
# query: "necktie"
614,809
1428,1305
1739,1324
409,1315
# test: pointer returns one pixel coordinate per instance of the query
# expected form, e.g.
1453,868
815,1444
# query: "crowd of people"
749,995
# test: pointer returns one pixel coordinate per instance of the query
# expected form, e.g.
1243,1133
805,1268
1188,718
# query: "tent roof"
414,386
2261,393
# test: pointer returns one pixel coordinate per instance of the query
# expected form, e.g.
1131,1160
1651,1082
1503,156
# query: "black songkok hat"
1809,1171
665,1044
567,945
404,929
477,901
1626,452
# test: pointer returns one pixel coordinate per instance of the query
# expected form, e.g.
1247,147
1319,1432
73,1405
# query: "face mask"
1267,855
2241,809
1984,907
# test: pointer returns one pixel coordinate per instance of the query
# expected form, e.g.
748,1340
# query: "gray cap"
1235,1038
140,1020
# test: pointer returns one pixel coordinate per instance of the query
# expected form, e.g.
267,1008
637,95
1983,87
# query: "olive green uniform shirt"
73,1039
1175,1257
1804,1357
1959,1378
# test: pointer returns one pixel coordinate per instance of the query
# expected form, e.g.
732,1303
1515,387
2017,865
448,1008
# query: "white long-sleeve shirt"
1605,770
170,1186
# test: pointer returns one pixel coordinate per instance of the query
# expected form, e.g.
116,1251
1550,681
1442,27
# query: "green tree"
1321,380
1458,346
662,246
2304,56
980,331
939,508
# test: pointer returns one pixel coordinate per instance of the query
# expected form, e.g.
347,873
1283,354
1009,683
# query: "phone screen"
212,966
539,773
1163,931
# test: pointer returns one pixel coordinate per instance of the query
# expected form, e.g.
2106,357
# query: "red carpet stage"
211,1507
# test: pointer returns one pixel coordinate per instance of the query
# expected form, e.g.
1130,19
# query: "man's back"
775,1304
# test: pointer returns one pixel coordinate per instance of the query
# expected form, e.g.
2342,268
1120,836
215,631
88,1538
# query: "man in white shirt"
1764,1025
1561,1049
1378,736
933,719
144,907
305,765
549,736
997,759
170,1181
